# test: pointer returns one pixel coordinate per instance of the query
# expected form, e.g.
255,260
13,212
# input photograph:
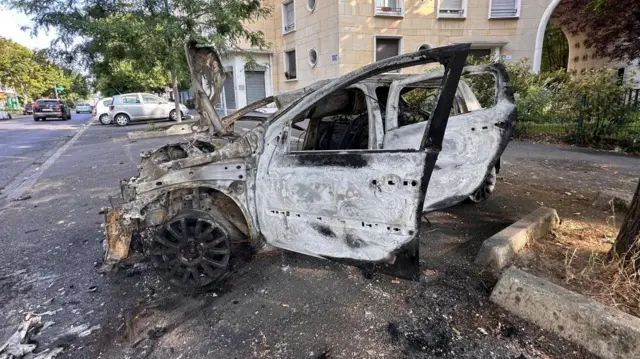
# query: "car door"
153,107
133,106
473,143
361,204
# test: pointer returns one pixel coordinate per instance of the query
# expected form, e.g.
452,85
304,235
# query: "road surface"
282,305
23,142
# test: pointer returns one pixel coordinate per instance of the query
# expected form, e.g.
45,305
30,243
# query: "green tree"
33,74
146,32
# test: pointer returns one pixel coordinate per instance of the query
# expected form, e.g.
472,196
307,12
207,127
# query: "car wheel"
486,188
172,115
121,119
192,251
104,119
36,119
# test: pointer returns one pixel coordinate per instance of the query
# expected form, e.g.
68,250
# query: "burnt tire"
486,188
191,251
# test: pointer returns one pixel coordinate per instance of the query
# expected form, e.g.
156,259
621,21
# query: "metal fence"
607,133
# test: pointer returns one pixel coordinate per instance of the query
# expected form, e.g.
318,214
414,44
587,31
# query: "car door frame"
135,110
154,110
280,226
460,173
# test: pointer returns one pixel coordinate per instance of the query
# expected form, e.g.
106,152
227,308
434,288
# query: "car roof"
47,99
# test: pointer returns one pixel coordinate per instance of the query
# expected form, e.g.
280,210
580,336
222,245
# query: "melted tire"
486,188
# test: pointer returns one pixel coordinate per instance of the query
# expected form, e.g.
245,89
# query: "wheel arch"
227,204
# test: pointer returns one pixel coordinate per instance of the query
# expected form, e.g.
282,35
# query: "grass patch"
575,255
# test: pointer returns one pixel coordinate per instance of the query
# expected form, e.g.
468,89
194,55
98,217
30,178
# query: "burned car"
343,170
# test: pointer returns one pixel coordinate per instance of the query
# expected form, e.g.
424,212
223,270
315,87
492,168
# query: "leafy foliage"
142,38
33,74
610,26
561,98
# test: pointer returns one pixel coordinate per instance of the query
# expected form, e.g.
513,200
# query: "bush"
561,98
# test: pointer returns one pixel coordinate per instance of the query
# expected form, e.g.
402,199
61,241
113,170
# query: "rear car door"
154,107
475,139
361,204
133,106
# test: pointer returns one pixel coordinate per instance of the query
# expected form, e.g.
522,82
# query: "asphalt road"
23,142
283,305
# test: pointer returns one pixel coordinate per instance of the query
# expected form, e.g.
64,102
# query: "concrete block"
498,250
604,331
620,200
174,130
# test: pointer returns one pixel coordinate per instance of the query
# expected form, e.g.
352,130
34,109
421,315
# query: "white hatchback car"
101,111
141,106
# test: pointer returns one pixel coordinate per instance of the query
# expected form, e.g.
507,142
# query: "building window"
500,9
387,47
389,7
452,8
311,5
290,72
288,17
313,57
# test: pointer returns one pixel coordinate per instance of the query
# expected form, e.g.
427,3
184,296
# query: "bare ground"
282,305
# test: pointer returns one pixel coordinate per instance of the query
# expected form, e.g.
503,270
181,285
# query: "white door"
357,204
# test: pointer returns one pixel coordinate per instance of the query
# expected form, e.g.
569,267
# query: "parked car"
142,106
83,108
28,109
50,108
377,151
101,110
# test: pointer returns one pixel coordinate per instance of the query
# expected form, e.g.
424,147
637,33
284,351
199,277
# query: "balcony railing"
388,7
290,27
451,13
497,13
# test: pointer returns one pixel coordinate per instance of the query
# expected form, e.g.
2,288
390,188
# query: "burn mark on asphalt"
352,160
324,230
353,241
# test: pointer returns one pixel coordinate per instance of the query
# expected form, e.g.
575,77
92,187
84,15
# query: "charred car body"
352,187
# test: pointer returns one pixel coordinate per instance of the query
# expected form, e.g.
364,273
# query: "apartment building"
316,39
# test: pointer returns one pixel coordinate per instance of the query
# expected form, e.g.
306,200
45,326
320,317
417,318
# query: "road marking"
19,185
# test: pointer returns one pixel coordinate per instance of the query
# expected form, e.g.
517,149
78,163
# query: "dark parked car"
28,109
50,108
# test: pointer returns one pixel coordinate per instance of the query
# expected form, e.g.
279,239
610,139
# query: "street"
279,305
23,142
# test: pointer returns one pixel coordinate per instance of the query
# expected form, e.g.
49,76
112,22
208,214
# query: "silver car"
83,108
141,106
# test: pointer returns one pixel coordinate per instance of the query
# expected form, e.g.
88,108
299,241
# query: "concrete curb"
173,130
499,249
604,331
620,200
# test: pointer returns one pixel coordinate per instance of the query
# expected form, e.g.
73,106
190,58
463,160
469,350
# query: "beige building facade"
316,39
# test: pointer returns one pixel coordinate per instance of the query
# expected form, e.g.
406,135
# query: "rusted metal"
357,197
118,236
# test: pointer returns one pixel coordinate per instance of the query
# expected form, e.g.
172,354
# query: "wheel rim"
191,250
173,115
121,120
486,188
104,119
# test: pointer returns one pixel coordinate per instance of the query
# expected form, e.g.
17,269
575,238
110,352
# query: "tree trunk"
200,61
625,245
176,95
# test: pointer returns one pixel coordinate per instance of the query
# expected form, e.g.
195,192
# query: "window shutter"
504,8
386,48
290,14
450,4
